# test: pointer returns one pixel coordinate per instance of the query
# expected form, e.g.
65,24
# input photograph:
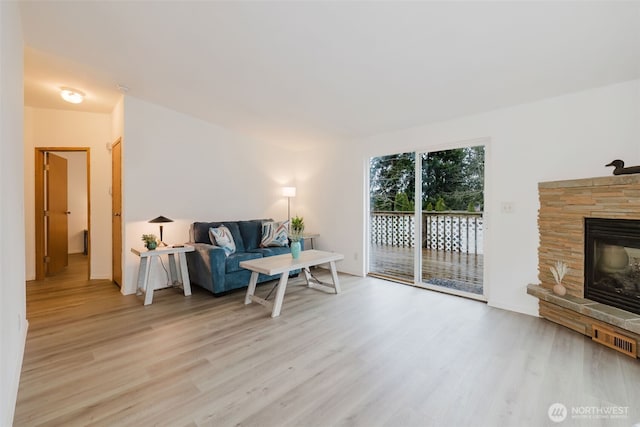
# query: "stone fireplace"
608,208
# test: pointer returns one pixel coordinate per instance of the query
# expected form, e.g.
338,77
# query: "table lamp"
161,220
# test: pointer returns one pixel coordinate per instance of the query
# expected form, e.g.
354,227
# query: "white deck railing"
452,231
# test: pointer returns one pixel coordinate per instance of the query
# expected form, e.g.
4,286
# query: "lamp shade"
289,191
160,219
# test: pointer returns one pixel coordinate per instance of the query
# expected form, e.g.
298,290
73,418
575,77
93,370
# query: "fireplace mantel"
563,207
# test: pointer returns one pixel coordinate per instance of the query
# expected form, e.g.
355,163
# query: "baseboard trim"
530,311
15,384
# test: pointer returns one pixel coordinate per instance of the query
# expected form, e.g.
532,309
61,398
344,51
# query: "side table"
178,277
310,237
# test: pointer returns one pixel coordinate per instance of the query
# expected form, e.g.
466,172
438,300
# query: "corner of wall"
15,381
13,325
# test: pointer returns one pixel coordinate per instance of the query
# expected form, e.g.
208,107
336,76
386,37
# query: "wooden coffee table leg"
334,277
252,287
307,275
282,286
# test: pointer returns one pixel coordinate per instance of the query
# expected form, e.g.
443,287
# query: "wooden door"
56,214
116,212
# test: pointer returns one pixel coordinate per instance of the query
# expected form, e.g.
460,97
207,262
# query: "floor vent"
614,340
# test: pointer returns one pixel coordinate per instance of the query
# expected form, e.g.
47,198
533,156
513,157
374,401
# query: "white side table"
178,277
310,237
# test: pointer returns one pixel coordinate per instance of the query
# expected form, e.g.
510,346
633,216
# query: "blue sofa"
211,269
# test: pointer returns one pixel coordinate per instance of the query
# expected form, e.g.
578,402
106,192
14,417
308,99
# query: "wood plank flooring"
378,354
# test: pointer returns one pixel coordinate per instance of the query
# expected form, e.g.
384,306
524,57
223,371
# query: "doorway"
62,222
437,242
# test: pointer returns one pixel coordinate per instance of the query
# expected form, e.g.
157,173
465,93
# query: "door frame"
116,250
39,205
417,257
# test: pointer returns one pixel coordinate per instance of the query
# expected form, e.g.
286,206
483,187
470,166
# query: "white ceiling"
306,72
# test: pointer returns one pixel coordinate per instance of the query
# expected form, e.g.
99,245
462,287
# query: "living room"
206,171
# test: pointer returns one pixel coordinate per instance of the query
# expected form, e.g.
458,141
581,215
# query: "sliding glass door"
436,243
453,220
392,216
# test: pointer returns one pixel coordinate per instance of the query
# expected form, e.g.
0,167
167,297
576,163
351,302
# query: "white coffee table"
283,264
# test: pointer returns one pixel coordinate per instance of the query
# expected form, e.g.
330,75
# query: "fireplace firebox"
612,262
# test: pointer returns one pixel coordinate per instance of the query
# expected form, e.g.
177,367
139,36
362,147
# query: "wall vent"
614,340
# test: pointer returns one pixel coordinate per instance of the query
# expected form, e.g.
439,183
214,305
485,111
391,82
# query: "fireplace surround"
565,209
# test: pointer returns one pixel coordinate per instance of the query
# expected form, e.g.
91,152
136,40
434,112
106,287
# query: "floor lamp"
289,192
161,220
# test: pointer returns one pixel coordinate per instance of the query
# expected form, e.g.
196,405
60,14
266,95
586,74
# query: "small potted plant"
558,271
295,235
150,241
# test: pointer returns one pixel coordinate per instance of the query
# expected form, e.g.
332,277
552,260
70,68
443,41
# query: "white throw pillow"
223,238
275,234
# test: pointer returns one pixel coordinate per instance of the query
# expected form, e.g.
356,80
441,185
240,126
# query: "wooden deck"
397,262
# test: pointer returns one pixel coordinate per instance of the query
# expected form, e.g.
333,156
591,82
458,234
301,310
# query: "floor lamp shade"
289,192
160,220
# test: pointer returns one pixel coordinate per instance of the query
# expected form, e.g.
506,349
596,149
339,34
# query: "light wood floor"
378,354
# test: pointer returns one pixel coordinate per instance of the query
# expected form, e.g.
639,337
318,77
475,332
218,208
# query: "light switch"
507,207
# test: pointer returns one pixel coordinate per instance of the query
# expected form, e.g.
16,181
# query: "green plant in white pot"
296,228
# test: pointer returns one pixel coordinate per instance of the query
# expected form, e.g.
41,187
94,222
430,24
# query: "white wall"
58,128
190,170
76,198
117,120
13,323
567,137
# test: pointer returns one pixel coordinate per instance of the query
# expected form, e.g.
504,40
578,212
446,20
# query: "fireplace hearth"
612,262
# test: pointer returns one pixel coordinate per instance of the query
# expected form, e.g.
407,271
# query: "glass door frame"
417,269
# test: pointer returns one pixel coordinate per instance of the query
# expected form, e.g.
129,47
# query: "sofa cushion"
222,237
233,261
201,234
251,232
275,234
274,250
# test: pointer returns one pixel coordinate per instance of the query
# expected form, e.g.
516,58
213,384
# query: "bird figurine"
621,170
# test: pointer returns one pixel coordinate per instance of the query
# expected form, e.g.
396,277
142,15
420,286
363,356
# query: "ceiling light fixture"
73,96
